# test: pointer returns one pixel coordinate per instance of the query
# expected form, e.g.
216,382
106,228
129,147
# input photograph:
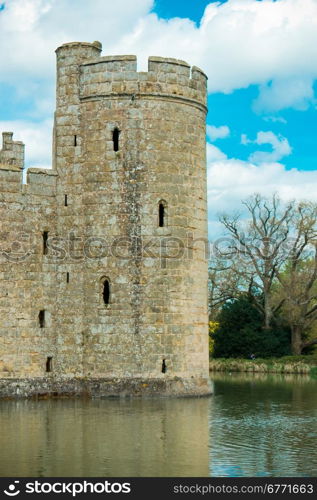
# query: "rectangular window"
45,238
161,215
42,318
115,139
49,364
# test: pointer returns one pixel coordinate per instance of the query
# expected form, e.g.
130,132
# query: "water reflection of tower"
161,437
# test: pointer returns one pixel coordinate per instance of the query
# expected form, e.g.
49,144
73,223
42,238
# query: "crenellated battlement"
41,182
12,152
166,77
106,76
10,179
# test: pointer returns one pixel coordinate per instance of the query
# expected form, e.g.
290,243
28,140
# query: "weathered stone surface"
100,210
102,387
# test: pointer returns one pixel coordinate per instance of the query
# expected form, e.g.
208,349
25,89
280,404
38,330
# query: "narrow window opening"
65,201
67,277
161,215
164,368
106,292
75,140
115,139
49,364
45,238
42,318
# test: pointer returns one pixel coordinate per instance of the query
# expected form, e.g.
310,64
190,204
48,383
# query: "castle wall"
26,286
100,207
158,308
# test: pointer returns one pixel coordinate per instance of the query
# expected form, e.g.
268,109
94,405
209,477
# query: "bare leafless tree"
277,243
299,279
260,245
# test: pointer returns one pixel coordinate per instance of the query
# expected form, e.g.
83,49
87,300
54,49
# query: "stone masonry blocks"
125,144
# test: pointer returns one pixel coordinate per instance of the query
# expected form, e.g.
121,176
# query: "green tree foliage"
241,333
271,256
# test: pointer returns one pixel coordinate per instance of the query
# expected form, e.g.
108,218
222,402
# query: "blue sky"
236,109
260,57
193,9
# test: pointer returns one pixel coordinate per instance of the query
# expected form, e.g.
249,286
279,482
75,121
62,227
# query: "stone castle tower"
103,264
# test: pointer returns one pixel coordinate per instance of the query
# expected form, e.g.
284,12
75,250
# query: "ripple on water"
269,431
263,427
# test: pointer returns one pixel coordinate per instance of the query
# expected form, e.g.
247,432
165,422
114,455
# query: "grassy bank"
287,364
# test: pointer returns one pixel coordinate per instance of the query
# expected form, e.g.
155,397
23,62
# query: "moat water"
254,425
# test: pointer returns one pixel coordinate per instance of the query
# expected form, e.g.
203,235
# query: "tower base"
54,387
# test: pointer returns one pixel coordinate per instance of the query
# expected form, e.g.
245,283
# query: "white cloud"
214,153
253,42
238,43
296,92
275,119
242,42
30,31
245,140
280,147
215,133
231,180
